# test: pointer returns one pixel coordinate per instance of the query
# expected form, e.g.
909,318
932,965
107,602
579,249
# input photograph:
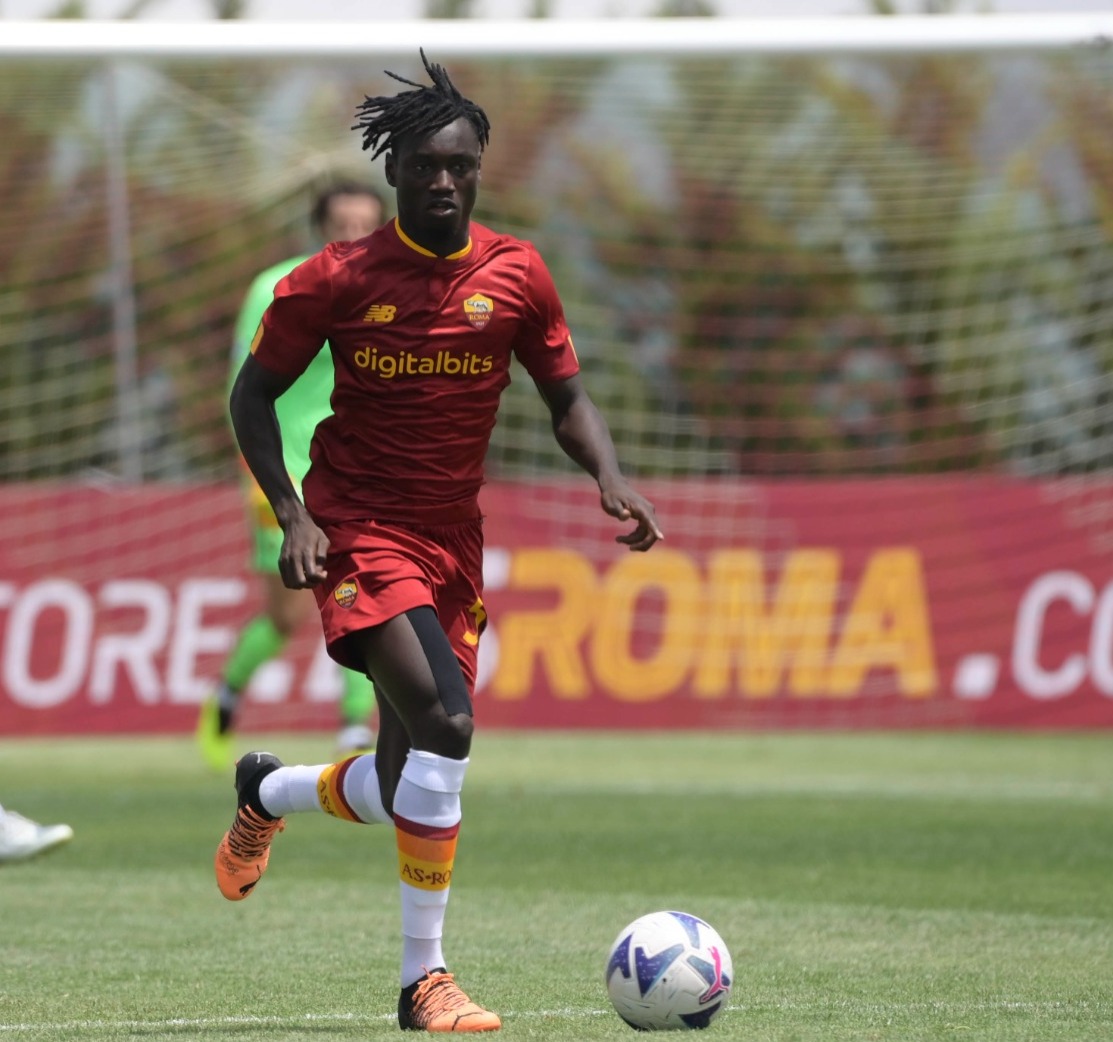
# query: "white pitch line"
190,1022
873,1008
252,1021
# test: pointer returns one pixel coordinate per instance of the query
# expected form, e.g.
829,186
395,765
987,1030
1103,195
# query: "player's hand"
302,560
623,502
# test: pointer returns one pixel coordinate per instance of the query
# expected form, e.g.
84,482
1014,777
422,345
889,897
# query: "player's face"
436,180
351,217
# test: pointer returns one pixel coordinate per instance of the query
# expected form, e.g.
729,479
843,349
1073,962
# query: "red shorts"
378,570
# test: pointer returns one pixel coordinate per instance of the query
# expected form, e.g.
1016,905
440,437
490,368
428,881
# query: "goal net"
830,289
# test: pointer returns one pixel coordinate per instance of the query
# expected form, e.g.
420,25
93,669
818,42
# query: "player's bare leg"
425,730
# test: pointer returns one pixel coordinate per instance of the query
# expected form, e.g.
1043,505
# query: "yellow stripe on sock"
425,854
425,875
330,792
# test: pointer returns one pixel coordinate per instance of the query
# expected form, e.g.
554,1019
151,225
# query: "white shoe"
355,738
21,837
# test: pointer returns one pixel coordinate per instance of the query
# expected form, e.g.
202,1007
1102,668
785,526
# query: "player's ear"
388,169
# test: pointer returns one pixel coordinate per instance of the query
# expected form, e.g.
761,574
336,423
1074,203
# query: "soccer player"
423,318
22,838
344,211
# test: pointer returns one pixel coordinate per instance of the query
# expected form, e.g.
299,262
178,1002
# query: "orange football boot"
243,853
437,1003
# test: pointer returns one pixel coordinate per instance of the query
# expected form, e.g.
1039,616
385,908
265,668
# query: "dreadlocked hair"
386,121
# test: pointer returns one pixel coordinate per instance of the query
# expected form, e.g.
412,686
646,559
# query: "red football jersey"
422,347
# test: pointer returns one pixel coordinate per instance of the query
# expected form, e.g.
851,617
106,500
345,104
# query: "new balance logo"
380,313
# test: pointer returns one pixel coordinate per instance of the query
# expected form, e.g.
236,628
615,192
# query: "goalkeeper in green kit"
343,212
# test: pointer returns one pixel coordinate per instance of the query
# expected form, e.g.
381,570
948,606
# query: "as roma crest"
479,310
345,594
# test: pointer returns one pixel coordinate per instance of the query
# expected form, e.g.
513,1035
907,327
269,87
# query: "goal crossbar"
554,37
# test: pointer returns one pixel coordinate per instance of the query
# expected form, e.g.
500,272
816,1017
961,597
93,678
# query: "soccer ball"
668,970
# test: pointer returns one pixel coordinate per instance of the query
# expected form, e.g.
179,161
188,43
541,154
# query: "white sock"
293,790
361,790
290,790
427,820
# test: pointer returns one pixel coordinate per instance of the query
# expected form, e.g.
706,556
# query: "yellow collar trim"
429,253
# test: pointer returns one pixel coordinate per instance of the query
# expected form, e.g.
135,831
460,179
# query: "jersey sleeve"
544,345
295,325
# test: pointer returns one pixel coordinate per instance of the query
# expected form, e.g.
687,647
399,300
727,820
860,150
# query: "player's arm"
585,438
251,405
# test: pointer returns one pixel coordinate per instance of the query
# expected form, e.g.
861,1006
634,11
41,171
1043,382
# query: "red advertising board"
890,603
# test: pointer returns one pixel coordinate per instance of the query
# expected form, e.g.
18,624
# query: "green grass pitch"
913,888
